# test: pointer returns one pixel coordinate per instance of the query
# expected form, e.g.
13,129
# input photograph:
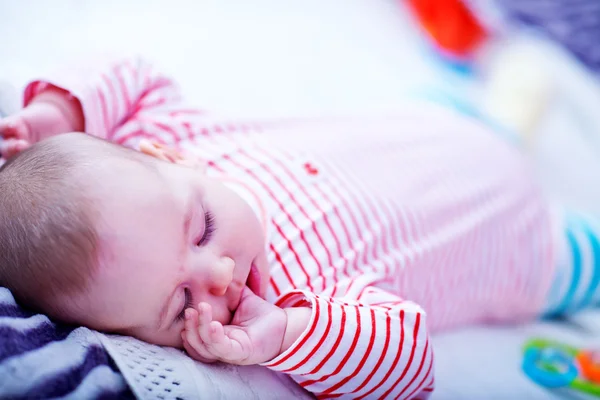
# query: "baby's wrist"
297,322
67,105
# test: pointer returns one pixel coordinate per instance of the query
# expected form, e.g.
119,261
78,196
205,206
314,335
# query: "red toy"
450,24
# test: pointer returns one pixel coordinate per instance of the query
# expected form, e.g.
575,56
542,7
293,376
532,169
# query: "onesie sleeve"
124,101
374,345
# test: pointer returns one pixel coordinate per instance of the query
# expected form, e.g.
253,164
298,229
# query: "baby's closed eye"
209,228
189,301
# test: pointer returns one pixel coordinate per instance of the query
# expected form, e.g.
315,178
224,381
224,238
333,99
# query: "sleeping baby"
328,250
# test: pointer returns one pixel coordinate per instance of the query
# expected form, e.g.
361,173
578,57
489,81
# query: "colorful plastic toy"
557,365
450,24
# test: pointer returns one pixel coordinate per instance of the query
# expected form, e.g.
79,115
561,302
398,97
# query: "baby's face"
170,238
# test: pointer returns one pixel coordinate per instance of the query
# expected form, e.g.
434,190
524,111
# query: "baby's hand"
254,336
157,150
50,113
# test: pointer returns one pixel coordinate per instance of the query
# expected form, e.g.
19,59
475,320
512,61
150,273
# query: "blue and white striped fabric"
40,359
573,23
577,281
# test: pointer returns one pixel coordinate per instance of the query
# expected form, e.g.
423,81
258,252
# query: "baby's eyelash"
188,303
209,228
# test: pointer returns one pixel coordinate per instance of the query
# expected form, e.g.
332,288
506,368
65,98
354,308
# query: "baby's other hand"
50,113
254,336
168,154
16,135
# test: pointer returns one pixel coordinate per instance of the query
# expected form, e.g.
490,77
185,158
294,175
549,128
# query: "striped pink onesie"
389,227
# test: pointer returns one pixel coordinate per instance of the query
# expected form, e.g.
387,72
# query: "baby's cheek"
168,337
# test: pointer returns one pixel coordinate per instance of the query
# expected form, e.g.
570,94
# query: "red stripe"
144,105
303,211
339,218
367,225
300,303
367,380
410,358
278,228
283,268
152,88
215,166
362,362
335,345
122,85
366,199
291,158
104,109
296,256
188,129
176,138
358,229
391,233
418,371
30,91
283,301
319,343
186,112
349,352
387,304
266,168
420,386
274,286
301,344
113,101
392,368
125,139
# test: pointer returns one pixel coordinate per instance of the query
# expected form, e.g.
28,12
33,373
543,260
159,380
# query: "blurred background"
531,66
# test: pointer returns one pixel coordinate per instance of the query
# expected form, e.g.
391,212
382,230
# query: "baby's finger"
223,346
193,353
151,149
191,332
11,147
169,153
14,127
192,339
204,321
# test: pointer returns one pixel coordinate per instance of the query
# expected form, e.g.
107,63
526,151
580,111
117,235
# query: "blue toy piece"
556,365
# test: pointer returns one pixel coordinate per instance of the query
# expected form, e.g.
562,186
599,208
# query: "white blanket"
163,373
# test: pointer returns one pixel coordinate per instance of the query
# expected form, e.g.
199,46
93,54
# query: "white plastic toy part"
518,88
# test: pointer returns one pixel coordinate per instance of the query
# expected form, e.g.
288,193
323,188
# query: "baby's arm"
369,345
123,101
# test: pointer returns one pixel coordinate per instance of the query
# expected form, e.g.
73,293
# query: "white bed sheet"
273,58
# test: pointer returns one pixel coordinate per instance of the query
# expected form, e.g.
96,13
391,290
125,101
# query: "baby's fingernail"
188,313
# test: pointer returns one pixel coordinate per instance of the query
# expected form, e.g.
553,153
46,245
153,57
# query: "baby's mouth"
253,281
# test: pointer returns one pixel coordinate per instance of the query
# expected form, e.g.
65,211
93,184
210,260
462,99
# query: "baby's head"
96,234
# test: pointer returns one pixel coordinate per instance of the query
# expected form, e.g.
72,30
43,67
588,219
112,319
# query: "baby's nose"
222,275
